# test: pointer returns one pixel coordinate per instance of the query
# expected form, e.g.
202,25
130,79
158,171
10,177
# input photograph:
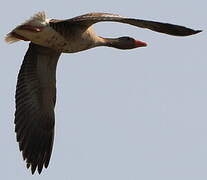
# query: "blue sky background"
125,115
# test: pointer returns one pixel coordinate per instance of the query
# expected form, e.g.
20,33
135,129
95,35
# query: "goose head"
124,43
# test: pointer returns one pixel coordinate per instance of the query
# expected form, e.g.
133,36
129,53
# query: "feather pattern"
89,19
35,102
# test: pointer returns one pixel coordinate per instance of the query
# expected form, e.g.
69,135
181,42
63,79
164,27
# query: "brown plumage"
36,85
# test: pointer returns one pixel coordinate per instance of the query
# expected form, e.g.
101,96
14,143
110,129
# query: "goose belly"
48,37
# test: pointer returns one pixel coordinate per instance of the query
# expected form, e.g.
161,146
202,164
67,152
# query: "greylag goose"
36,85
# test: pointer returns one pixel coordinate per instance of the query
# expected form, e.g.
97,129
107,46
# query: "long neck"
109,42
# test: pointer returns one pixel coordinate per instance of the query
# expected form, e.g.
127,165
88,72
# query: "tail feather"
37,19
10,38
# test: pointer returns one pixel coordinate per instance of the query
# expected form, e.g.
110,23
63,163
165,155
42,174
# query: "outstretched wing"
92,18
35,102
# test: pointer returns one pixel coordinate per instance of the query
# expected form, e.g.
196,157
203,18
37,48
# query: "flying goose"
36,85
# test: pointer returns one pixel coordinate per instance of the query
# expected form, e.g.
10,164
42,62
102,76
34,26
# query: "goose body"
36,85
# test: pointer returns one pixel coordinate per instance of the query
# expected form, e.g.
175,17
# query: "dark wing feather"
92,18
35,102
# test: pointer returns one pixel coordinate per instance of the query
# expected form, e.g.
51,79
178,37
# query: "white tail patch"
38,19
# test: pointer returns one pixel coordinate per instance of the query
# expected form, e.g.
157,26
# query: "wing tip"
198,31
188,32
192,32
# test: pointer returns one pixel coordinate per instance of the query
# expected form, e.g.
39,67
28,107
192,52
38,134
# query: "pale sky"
120,115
